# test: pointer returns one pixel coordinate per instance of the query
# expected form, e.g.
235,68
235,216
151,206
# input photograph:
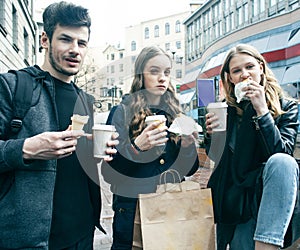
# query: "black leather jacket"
240,154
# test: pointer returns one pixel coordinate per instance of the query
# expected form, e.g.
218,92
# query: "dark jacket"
26,188
239,162
131,173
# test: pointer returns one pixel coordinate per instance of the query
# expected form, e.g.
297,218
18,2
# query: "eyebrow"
157,67
64,35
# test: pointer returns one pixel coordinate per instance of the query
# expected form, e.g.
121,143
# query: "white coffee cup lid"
155,118
104,127
217,105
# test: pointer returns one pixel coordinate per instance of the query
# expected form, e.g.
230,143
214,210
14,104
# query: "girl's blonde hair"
273,91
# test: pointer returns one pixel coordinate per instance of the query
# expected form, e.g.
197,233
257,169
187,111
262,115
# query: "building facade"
168,33
117,66
18,40
272,26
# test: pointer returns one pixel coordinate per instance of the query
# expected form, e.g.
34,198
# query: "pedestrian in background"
47,197
145,151
255,182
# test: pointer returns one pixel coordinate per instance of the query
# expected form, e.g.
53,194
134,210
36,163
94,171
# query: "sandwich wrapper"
239,94
184,125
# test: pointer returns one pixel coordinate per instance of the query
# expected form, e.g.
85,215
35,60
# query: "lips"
72,61
161,86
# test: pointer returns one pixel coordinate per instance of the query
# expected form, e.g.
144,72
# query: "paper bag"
179,216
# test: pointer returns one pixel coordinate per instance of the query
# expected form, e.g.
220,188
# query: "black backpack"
23,94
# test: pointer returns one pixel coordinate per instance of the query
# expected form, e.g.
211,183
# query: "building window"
26,46
177,27
239,16
121,55
112,57
112,69
262,6
121,67
167,46
167,29
178,44
33,53
15,26
133,58
255,8
2,17
272,3
178,73
146,33
133,46
103,91
156,31
245,15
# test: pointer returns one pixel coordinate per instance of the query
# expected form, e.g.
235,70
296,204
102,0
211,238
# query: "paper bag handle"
173,172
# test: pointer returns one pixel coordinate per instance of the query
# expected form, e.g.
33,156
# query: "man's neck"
57,75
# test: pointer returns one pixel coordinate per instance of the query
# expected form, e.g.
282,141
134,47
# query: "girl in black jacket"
144,152
255,181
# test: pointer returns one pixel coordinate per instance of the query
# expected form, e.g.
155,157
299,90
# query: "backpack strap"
22,99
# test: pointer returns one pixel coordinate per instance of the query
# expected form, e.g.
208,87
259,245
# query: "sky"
112,16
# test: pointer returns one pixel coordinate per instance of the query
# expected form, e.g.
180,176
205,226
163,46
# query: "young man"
49,197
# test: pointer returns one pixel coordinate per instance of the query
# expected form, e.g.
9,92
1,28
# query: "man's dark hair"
65,14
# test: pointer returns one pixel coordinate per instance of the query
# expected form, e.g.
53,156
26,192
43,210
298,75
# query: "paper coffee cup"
154,118
220,110
101,135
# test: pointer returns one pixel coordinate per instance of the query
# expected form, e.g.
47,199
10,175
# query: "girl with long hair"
255,181
145,151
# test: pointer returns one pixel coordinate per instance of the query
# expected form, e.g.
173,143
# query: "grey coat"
26,188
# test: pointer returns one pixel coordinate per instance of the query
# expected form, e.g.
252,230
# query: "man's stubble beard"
57,67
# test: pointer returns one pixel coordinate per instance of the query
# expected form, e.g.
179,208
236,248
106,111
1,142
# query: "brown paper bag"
179,216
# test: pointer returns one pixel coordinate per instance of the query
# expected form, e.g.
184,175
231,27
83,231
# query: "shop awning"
191,76
292,74
295,38
278,41
279,73
186,97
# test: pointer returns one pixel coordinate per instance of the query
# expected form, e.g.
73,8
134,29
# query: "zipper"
255,120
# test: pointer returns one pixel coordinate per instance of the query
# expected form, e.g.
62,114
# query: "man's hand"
111,150
51,145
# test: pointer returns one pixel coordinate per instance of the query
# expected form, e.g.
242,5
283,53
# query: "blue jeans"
280,185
